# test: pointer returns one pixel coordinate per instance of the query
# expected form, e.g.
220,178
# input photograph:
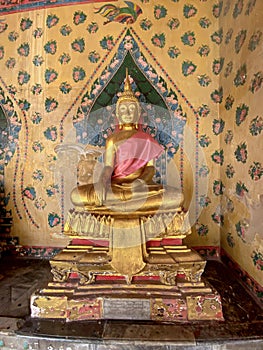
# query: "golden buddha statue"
126,258
126,183
125,202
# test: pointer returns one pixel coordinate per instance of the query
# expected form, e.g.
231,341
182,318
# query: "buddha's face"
128,112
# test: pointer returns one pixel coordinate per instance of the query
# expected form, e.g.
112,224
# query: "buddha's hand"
103,184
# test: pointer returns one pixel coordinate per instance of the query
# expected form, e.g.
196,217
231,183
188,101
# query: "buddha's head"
127,107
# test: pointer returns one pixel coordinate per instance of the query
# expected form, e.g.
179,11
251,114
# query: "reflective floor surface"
19,277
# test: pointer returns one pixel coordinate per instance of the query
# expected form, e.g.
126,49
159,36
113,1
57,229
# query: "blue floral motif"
38,60
228,137
217,95
217,8
53,219
241,153
238,8
107,42
51,133
50,75
38,175
189,11
52,20
218,126
250,7
204,22
241,189
93,27
218,157
203,111
240,39
188,68
78,74
255,40
203,50
13,36
218,187
203,171
64,58
174,52
229,102
241,113
25,24
217,36
51,47
173,23
65,87
204,80
218,65
230,171
256,82
65,30
10,63
255,171
241,76
188,38
218,218
78,45
23,77
36,118
204,140
204,201
29,192
24,105
79,17
229,36
50,104
38,32
37,89
160,11
40,204
241,227
23,50
158,40
37,146
256,126
202,229
228,69
52,190
94,56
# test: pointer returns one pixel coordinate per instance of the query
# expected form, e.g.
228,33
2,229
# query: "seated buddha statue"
125,206
126,183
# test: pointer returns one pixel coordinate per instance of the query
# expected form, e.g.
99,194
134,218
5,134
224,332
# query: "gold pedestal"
164,282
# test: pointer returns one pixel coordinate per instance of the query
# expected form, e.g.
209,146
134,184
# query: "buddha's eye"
132,108
123,109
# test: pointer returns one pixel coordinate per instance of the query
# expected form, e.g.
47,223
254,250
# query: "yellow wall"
241,235
193,90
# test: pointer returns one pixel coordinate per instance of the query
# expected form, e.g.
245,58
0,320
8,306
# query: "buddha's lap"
140,198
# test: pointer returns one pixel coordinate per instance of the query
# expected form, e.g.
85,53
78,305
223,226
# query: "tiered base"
169,288
136,302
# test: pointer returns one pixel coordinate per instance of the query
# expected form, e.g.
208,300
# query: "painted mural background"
204,59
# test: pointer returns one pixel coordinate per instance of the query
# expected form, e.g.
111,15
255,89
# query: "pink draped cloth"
135,153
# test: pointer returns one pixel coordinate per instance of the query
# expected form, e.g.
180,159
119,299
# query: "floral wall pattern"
241,139
203,55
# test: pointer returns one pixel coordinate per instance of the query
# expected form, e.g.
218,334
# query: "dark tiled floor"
243,324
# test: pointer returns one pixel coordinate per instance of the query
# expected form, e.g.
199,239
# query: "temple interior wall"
207,52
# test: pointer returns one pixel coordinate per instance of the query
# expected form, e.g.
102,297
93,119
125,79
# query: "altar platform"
242,328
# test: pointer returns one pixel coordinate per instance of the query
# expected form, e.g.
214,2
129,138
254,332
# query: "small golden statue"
127,234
